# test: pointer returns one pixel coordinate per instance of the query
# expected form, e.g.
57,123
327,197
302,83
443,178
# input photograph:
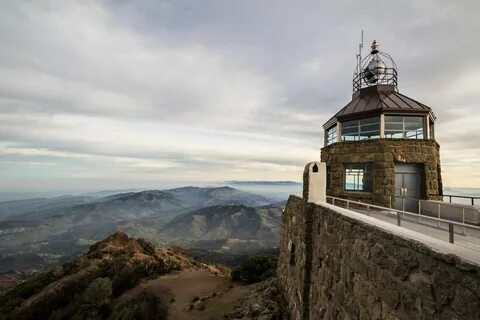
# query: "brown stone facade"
383,154
348,268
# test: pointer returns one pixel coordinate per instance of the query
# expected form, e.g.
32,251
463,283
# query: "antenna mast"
359,56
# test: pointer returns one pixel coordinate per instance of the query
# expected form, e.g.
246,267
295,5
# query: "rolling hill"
45,232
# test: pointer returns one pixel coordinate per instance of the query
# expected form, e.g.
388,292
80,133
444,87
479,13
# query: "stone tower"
380,148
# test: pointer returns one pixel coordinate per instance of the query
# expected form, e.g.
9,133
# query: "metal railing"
439,210
450,196
400,213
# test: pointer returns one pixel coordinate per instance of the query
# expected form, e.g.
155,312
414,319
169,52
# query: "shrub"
256,269
144,306
98,291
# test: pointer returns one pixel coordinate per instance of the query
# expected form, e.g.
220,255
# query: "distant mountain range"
38,232
264,183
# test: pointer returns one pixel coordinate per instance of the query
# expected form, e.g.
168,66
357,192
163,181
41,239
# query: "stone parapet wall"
293,237
383,154
348,267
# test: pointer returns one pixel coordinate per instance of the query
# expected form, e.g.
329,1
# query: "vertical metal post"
390,202
399,222
439,214
348,204
403,203
463,221
450,232
333,201
450,199
473,201
419,209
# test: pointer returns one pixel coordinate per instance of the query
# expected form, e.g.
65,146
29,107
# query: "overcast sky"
115,94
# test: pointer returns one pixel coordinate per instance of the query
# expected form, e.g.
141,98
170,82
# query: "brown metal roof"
376,100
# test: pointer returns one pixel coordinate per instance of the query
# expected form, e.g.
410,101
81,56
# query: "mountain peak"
120,242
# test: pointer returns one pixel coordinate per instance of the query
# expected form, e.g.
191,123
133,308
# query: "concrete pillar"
382,126
315,182
339,131
426,127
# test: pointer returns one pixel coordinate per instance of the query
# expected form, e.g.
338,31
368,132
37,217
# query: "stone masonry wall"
293,236
383,154
347,268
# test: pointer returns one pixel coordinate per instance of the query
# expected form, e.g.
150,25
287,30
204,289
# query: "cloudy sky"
115,94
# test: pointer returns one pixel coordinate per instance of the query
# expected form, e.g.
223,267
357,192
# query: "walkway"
468,237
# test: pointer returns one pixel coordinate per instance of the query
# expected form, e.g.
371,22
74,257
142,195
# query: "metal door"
408,183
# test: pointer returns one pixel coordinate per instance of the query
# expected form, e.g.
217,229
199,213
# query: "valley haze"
41,232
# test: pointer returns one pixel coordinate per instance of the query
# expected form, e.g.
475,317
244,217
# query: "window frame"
365,165
356,126
403,124
331,135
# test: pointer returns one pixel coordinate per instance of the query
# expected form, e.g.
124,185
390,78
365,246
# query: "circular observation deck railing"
378,68
375,76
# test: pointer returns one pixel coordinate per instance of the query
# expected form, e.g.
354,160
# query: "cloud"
181,90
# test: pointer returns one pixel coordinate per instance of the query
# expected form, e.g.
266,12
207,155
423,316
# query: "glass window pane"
331,135
393,126
350,130
352,123
394,134
370,127
407,127
393,119
371,120
359,177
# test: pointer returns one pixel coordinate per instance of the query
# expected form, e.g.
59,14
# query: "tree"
256,269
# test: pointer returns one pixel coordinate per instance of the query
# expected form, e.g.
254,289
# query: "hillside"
39,232
122,278
223,222
94,284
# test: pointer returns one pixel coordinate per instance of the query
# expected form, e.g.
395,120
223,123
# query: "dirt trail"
196,294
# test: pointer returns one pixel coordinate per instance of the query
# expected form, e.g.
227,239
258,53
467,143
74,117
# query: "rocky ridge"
110,268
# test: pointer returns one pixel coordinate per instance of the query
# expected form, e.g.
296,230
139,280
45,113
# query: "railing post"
348,204
463,221
450,233
333,201
439,214
403,203
473,201
450,199
390,202
419,209
399,222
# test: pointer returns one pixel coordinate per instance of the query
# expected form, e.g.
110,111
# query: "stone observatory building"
380,148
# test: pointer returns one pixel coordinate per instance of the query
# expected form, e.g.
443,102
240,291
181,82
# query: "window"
400,127
331,135
329,177
358,177
362,129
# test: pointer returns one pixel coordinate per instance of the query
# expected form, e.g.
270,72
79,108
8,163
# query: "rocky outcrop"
118,262
263,303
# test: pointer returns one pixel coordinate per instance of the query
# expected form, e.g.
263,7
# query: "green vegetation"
256,269
89,286
144,306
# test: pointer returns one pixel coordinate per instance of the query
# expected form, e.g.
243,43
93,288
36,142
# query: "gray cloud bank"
117,93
